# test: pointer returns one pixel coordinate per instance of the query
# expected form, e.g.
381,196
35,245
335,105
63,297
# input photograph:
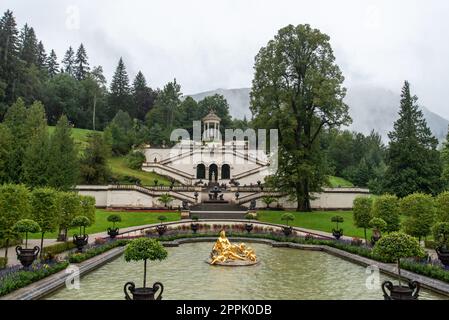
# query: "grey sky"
211,44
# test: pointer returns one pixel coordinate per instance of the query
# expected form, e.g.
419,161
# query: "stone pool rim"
52,283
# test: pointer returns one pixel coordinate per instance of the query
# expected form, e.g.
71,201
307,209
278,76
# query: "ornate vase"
161,229
27,256
112,233
80,241
337,233
249,227
443,255
194,227
410,292
143,293
287,230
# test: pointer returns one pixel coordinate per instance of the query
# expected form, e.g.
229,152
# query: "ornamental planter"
249,227
410,292
80,241
337,233
375,238
287,230
112,233
195,227
143,293
27,256
443,255
161,229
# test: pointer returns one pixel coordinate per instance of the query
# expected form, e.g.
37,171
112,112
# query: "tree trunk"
366,238
6,248
145,274
42,244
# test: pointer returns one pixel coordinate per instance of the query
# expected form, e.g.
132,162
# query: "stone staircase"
218,210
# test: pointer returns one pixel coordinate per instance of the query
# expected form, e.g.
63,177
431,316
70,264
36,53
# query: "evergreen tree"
35,162
9,52
6,148
120,97
445,160
143,97
41,56
69,62
413,161
63,157
52,64
81,63
93,167
28,45
15,122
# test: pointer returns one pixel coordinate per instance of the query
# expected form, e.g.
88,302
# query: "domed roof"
211,117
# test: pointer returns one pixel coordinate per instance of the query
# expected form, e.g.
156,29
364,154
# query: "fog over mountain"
370,108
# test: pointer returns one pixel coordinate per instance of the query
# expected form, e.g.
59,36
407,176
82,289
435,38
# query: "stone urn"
194,227
80,241
161,229
410,292
443,255
287,231
249,227
27,256
112,233
337,233
375,238
143,293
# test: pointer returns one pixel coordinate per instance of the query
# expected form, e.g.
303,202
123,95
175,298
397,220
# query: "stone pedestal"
185,214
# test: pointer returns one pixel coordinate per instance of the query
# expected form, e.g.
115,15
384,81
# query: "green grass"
79,135
129,219
119,167
317,220
335,182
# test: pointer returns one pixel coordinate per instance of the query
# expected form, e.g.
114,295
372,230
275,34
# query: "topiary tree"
26,226
88,208
162,218
287,217
337,220
398,245
70,207
378,224
362,213
114,218
386,207
81,222
419,210
441,234
165,199
268,200
442,207
45,210
145,249
14,206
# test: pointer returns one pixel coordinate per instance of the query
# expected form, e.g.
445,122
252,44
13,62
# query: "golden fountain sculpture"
224,253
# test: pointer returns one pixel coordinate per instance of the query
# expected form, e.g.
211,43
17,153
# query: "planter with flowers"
441,236
81,239
26,256
337,232
288,230
113,232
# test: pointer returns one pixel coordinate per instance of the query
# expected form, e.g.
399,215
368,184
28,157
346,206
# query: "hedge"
90,253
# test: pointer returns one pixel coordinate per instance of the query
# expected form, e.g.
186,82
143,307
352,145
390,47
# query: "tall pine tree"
81,63
28,45
69,62
120,96
445,160
143,97
52,64
41,56
413,161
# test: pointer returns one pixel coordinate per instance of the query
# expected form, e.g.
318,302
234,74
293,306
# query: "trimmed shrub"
419,210
362,213
442,207
135,159
386,207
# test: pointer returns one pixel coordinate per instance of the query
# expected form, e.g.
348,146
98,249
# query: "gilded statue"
226,252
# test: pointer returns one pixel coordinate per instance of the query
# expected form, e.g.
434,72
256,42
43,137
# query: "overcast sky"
211,44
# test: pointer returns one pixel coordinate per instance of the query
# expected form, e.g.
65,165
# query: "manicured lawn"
335,182
79,135
119,167
129,219
317,220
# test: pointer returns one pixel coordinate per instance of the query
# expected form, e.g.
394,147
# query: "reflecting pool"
281,274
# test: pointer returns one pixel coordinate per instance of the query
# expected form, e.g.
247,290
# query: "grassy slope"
129,219
317,220
336,182
119,167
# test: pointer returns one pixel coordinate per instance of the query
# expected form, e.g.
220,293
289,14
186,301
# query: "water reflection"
282,274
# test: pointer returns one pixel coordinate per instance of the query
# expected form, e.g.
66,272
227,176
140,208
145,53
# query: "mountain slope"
371,108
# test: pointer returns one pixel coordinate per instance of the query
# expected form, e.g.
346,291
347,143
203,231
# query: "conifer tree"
41,56
120,97
28,45
143,97
52,64
445,160
69,62
413,161
81,63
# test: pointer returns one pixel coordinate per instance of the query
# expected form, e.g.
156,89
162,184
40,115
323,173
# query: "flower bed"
94,251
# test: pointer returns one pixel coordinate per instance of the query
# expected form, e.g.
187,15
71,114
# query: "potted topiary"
195,225
378,225
26,256
441,236
287,217
82,239
394,247
338,232
161,229
249,226
144,249
113,232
